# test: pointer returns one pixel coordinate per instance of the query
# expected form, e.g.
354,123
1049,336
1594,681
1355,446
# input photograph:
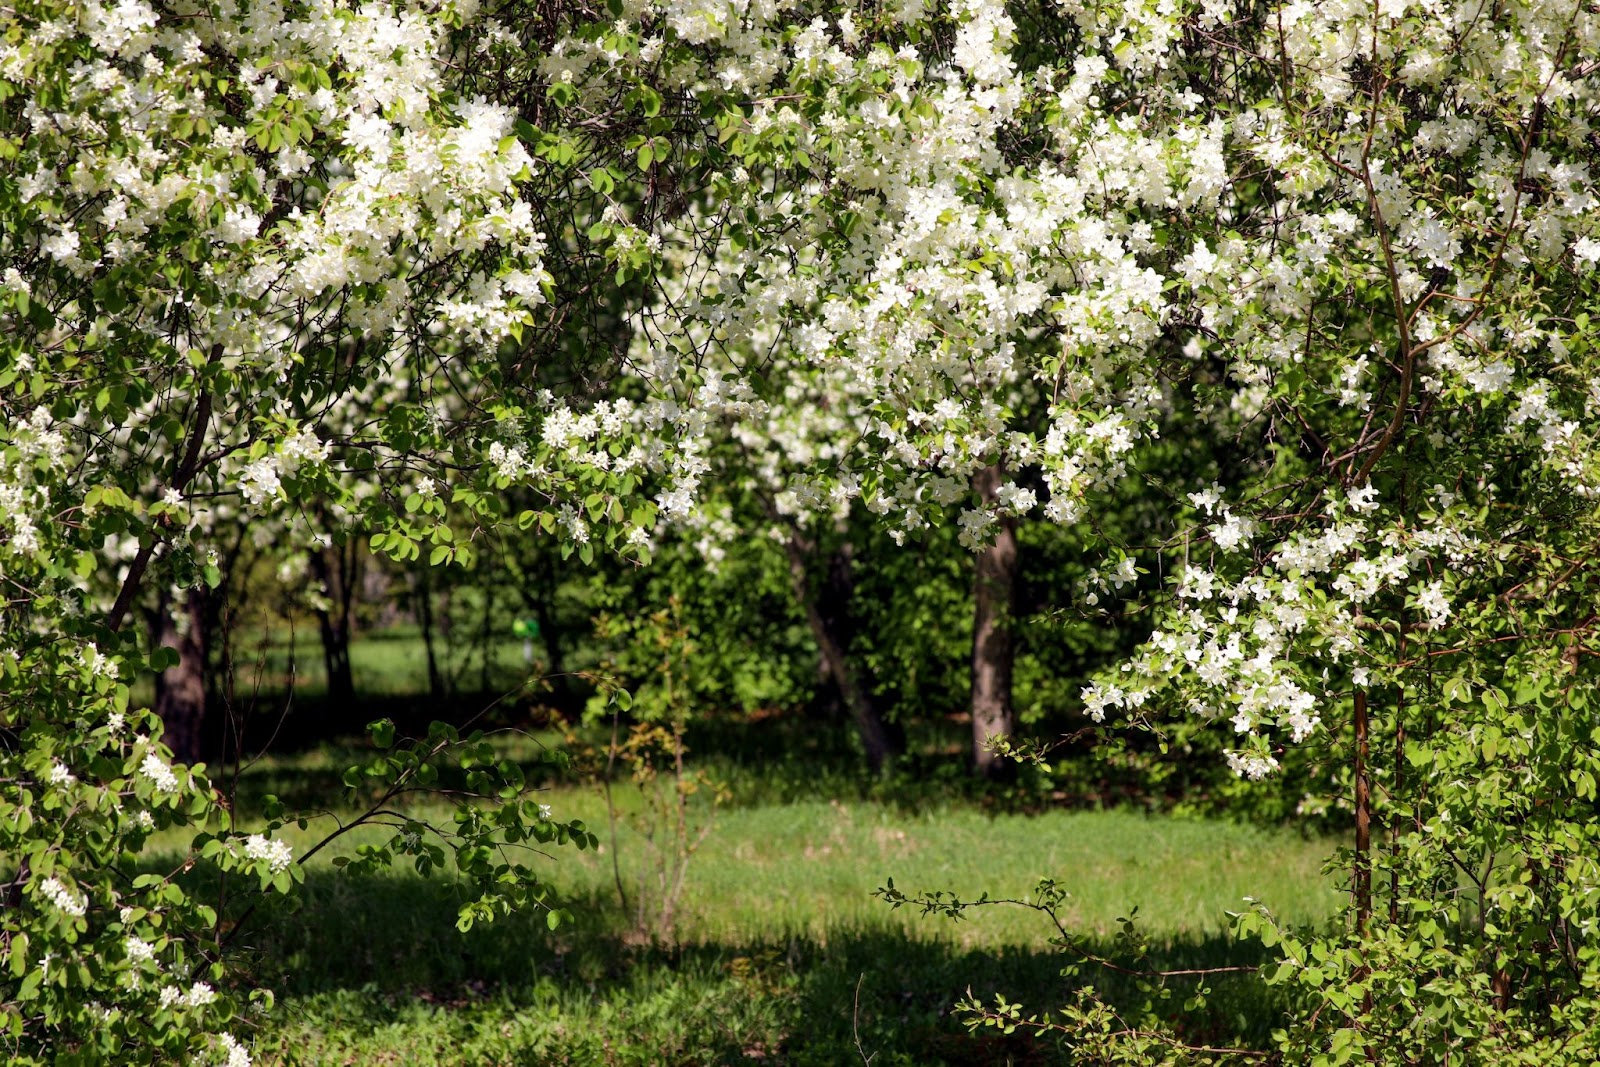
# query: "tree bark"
181,689
486,638
832,638
994,600
422,596
338,579
1363,798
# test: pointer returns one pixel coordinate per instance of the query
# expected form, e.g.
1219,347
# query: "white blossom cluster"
197,996
233,1051
276,854
61,898
159,773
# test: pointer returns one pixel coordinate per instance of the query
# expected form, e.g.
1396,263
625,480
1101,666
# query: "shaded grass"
758,760
794,1001
778,928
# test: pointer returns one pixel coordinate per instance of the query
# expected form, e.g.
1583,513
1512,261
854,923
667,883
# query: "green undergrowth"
780,953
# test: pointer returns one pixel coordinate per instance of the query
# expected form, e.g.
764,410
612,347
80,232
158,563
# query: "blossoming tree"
242,250
286,254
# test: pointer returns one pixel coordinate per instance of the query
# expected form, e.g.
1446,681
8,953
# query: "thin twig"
855,1028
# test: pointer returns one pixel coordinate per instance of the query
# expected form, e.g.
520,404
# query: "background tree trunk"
181,689
336,568
422,598
486,639
883,744
994,599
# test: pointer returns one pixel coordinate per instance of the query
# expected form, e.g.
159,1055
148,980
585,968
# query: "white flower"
1249,765
1434,603
975,524
238,1056
61,246
1016,499
1199,263
238,225
1232,532
1207,499
200,994
59,775
63,898
544,812
140,950
259,482
99,664
159,773
1097,698
277,855
305,447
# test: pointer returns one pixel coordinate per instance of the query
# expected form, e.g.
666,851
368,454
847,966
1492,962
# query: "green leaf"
19,955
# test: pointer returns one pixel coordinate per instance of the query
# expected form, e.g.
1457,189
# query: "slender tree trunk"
1363,858
1394,821
336,658
486,638
880,741
181,689
333,621
423,595
539,596
994,599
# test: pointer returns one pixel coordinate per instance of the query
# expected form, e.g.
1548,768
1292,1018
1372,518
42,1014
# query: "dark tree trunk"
543,605
181,689
830,630
536,581
486,638
1363,857
422,597
994,599
336,659
335,568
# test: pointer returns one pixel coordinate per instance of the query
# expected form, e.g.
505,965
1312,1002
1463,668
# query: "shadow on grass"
370,963
773,759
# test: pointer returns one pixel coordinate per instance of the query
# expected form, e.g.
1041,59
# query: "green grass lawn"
383,663
777,930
